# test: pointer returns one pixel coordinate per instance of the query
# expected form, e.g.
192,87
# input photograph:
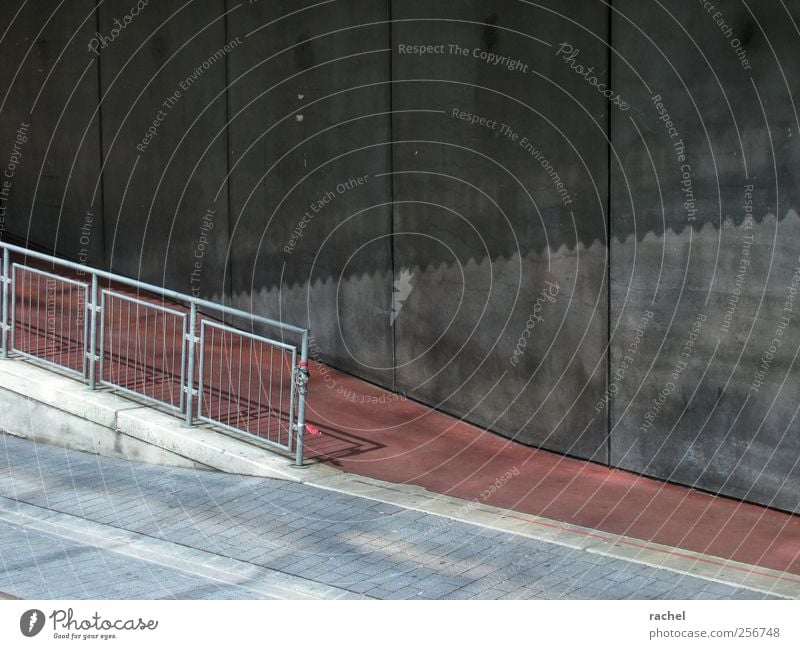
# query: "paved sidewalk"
74,525
59,556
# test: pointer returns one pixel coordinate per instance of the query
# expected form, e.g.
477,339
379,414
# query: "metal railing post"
6,290
191,342
93,357
302,393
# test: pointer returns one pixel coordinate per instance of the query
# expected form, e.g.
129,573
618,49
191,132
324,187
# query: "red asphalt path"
372,432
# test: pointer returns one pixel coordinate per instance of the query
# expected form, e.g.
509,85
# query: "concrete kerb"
203,447
107,424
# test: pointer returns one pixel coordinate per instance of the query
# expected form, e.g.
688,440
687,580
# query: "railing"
158,345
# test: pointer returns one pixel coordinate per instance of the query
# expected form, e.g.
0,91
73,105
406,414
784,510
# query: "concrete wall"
718,277
309,103
315,169
163,81
49,132
481,227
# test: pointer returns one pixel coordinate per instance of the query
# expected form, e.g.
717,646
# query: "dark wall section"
427,186
164,117
500,189
704,257
309,103
49,131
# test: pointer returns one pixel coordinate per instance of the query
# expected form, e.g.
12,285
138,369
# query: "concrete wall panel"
164,116
310,204
49,133
706,247
500,194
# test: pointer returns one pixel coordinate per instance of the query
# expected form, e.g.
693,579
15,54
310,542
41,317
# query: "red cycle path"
371,432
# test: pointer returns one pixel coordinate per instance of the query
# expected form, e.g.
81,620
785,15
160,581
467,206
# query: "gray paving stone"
360,545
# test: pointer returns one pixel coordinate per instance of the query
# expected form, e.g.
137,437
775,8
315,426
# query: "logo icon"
402,289
31,622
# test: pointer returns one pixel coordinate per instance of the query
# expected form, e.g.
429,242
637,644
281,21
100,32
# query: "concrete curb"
58,410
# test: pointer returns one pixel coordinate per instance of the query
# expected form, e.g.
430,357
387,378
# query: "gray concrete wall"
469,267
50,191
163,81
718,277
481,228
309,103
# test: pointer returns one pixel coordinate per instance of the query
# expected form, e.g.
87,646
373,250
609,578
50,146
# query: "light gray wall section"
712,427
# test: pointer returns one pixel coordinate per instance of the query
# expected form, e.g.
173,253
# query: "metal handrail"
152,288
93,308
